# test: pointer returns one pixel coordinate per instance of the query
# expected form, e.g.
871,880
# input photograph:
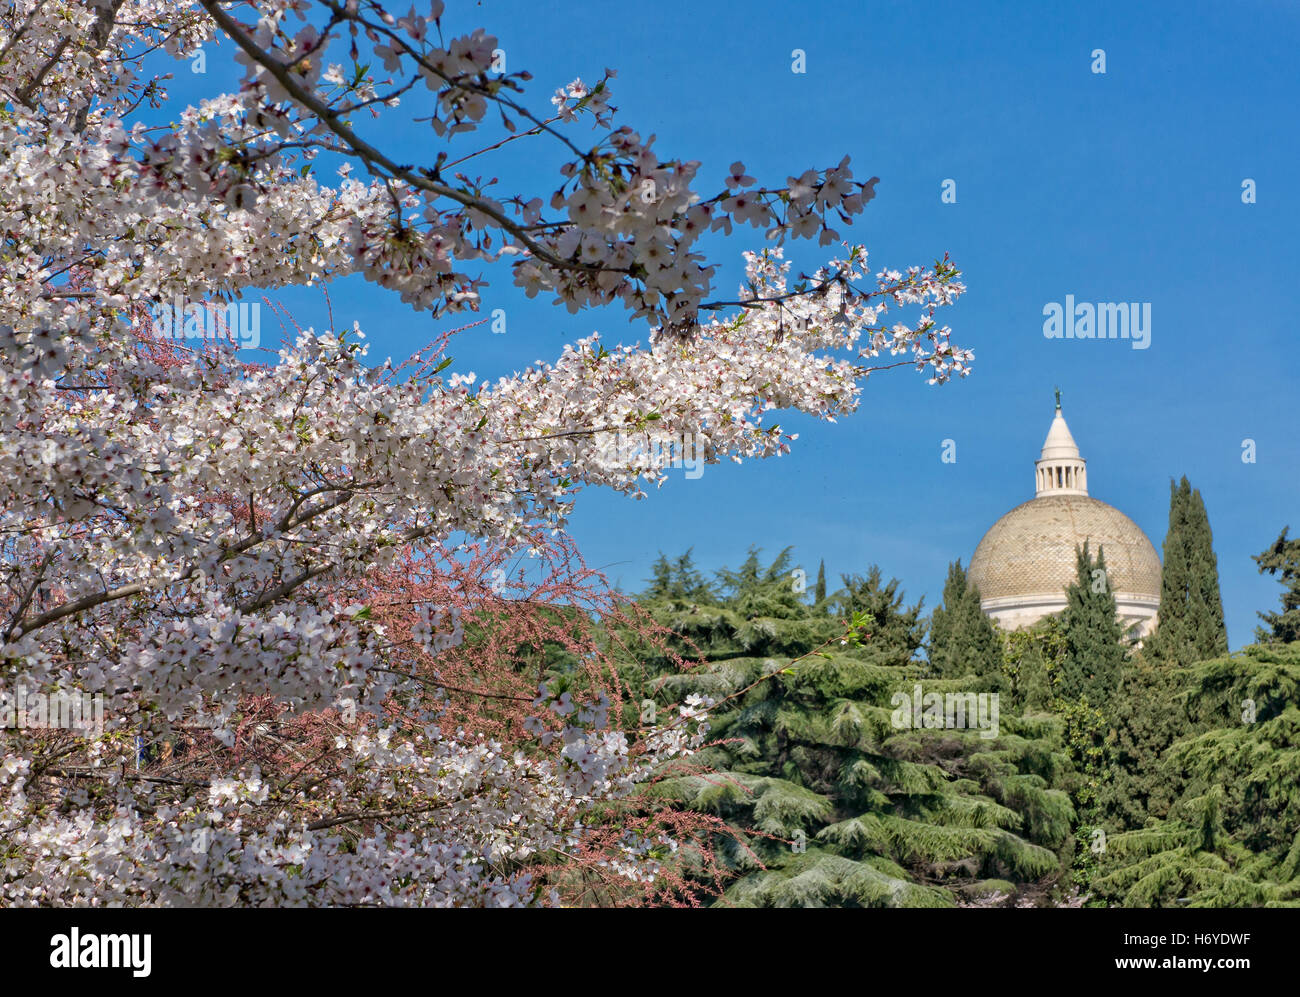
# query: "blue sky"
1117,187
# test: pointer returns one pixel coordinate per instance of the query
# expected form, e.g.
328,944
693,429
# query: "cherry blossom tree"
219,548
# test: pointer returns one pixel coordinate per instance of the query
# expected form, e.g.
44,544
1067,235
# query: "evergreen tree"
1152,711
1283,561
1031,663
1191,625
819,593
1035,669
660,578
1148,716
963,641
1094,651
678,580
830,799
889,624
1233,837
1084,679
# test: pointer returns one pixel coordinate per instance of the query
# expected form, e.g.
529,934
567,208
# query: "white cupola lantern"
1060,470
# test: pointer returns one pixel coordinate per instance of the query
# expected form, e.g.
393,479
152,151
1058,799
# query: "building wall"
1135,611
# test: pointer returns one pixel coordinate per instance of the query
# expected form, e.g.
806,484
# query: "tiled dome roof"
1031,550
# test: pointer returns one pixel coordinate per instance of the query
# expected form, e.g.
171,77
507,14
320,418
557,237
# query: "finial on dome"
1058,399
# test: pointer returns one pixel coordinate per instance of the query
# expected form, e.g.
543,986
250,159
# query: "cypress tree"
819,593
963,640
1147,718
1191,624
1094,652
1282,560
1151,714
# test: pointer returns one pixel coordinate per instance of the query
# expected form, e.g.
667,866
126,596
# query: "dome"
1030,550
1026,560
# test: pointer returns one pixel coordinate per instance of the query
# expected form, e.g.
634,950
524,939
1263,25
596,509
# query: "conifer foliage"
1094,650
1152,711
1148,716
1191,626
963,640
832,800
1282,560
1233,837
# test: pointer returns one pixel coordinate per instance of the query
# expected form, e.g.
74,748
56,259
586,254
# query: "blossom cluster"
185,533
